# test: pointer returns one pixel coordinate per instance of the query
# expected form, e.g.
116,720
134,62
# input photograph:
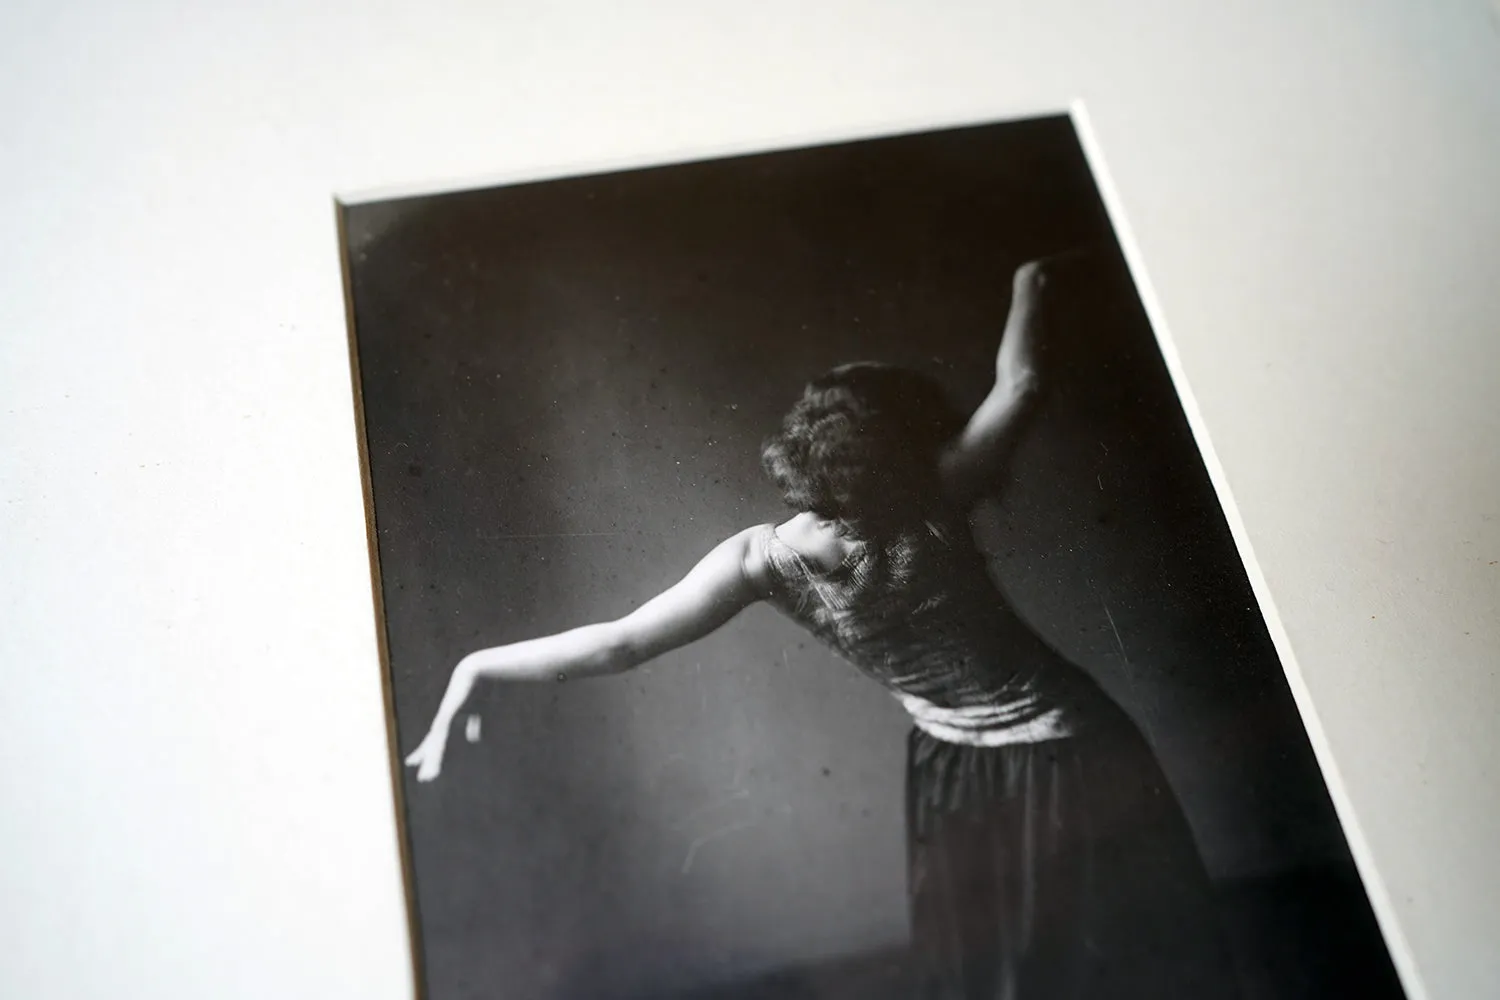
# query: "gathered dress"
1047,856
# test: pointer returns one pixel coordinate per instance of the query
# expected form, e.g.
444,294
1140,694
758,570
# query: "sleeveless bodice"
920,614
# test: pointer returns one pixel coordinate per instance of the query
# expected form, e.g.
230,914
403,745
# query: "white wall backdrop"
195,795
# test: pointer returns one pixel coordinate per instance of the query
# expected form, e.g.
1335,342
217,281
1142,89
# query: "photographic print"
798,578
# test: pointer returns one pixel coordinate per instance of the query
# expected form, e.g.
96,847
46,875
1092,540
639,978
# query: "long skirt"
1062,870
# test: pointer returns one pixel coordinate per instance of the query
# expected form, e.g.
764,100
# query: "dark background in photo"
565,387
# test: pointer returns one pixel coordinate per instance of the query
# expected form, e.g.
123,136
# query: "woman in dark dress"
1047,855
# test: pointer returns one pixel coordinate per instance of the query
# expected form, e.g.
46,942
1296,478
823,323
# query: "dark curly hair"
861,447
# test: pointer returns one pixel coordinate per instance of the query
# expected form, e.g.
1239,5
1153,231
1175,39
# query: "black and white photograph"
798,577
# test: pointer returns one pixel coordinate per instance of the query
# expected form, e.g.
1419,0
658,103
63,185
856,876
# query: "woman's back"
919,612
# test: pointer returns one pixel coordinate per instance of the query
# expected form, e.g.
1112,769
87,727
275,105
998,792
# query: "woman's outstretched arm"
724,582
973,465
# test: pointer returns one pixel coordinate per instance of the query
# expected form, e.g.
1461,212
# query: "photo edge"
388,695
1374,884
358,196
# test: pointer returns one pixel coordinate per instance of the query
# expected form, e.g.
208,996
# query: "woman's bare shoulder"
814,540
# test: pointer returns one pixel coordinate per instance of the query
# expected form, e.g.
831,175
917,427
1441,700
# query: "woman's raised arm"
725,582
973,464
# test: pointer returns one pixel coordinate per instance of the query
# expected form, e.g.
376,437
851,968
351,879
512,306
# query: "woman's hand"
1018,360
1036,275
1032,276
427,758
1021,360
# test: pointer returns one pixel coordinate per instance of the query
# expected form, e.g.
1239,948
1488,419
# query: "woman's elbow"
614,653
1019,385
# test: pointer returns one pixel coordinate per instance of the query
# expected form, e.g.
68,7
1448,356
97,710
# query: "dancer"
1047,855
